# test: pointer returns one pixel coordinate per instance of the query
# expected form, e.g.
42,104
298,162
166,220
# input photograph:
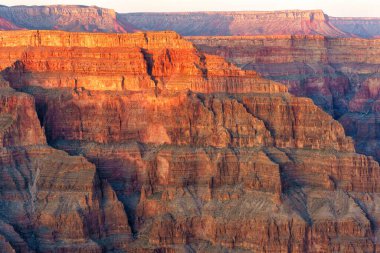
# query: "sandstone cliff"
340,75
202,155
50,201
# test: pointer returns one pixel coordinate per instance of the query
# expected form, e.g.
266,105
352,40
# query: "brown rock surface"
203,156
50,201
340,75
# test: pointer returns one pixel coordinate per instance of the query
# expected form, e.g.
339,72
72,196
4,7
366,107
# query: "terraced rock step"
171,150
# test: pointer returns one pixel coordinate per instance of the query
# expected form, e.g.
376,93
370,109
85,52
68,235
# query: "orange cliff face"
126,62
200,153
340,75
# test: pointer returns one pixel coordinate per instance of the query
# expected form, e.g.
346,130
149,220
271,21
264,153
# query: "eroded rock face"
340,75
50,201
237,23
202,155
361,27
64,17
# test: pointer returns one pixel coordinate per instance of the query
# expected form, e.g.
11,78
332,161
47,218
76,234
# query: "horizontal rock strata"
198,154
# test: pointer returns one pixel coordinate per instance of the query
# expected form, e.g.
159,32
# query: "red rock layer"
204,156
340,75
50,201
147,63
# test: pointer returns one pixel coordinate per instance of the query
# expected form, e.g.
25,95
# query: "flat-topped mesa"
65,17
237,23
139,61
362,27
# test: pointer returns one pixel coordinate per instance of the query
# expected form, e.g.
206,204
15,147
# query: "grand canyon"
188,132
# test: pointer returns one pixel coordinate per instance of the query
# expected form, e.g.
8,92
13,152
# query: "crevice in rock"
148,57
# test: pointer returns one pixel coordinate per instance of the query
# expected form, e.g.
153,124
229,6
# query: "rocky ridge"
237,23
202,155
340,75
361,27
64,17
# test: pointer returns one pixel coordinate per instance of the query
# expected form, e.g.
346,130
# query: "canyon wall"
237,23
361,27
50,201
96,19
64,17
192,152
340,75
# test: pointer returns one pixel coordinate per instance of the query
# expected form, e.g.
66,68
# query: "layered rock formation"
95,19
361,27
204,156
340,75
6,25
64,17
50,201
237,23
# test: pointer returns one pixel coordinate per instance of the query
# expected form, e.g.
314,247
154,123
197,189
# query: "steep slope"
65,17
236,23
50,201
6,25
204,156
361,27
340,75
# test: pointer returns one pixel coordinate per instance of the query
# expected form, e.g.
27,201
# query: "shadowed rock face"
340,75
202,155
50,201
6,25
361,27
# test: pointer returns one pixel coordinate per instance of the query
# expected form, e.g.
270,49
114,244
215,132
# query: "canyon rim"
249,131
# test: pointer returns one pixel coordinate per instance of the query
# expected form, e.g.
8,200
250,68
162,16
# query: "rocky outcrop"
237,23
361,27
340,75
202,155
50,201
65,17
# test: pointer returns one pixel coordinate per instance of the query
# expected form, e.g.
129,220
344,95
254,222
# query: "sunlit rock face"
340,75
172,150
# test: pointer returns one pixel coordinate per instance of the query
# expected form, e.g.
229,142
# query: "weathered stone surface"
340,75
50,201
203,156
